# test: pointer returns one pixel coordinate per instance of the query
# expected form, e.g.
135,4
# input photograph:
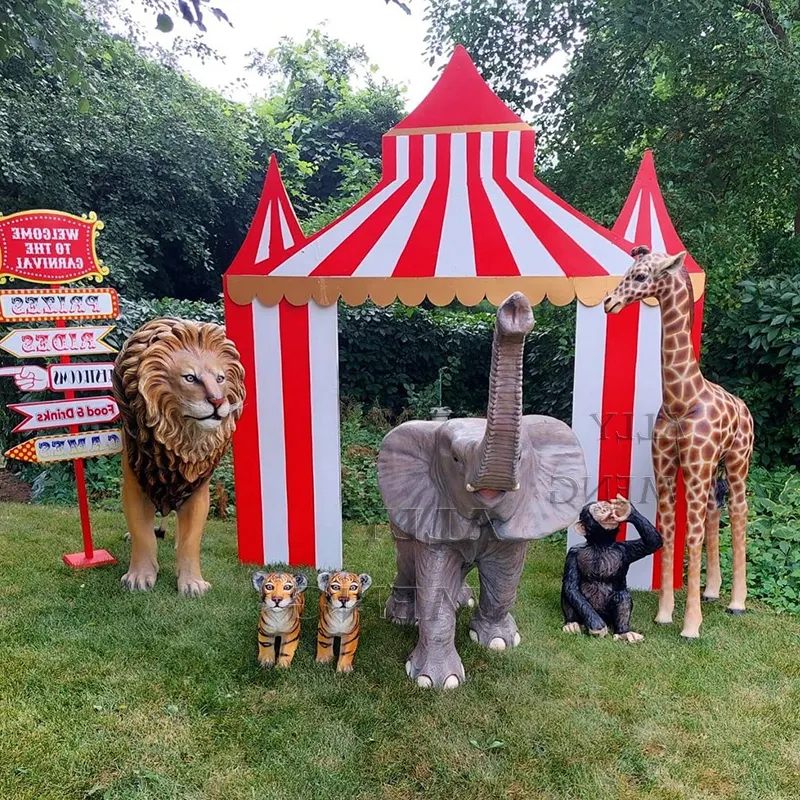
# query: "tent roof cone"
457,214
273,231
644,219
460,100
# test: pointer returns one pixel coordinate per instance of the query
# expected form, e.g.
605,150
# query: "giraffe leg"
737,464
713,574
698,486
737,511
665,465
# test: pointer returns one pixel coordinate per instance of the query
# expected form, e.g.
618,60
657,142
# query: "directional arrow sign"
45,449
61,377
80,377
43,342
62,413
32,305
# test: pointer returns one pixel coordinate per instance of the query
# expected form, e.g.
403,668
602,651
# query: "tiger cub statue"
339,617
282,605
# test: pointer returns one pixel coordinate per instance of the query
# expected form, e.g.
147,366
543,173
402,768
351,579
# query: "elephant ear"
412,492
552,477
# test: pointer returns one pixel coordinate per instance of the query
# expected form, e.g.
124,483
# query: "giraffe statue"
699,428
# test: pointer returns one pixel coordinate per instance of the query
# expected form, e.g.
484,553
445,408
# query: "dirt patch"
13,489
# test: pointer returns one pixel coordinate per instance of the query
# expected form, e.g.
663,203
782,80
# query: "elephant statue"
472,492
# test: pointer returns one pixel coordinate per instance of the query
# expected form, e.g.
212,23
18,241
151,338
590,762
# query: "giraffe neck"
681,378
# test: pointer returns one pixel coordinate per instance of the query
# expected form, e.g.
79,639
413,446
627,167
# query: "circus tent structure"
457,214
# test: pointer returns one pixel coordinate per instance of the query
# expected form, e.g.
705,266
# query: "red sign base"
79,560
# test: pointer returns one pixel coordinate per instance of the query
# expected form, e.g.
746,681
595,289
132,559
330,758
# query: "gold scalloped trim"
269,290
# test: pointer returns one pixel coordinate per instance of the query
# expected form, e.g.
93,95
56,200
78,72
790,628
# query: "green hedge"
404,361
393,358
773,539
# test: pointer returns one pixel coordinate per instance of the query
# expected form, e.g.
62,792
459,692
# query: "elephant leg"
466,596
400,606
434,661
499,568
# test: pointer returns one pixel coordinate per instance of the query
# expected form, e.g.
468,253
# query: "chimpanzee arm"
650,538
571,590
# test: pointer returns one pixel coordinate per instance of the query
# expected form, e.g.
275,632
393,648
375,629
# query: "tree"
172,168
713,88
334,125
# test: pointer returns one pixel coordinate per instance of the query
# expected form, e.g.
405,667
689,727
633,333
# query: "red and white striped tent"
458,213
629,404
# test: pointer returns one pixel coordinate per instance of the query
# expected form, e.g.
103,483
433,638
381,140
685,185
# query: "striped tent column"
644,219
617,392
286,446
618,381
297,446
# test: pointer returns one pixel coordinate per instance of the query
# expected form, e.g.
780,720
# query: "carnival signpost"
54,248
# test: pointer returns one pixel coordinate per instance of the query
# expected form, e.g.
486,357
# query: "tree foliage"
713,89
175,169
335,126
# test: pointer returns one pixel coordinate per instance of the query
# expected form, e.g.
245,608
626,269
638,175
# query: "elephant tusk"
471,488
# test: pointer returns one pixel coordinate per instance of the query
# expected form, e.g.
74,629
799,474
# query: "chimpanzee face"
601,512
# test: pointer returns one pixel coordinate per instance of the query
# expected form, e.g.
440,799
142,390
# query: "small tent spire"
273,231
644,219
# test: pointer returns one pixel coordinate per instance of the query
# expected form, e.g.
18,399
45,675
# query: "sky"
393,39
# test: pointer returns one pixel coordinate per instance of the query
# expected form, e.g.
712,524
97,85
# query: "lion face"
200,385
184,382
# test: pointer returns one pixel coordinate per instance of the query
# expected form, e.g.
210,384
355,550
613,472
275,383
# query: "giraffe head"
648,276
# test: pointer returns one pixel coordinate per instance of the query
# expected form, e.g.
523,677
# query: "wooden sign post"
52,247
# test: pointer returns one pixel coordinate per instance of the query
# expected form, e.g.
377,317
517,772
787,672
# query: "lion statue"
180,389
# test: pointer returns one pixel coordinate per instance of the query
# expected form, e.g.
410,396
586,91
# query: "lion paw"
193,587
571,627
140,579
631,637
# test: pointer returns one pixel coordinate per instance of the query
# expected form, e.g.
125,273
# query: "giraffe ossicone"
701,429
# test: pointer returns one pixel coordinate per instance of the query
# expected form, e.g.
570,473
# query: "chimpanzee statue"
594,592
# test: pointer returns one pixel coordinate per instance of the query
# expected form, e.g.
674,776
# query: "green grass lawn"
104,694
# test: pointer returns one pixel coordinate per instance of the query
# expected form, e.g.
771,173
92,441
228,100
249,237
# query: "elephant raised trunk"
500,448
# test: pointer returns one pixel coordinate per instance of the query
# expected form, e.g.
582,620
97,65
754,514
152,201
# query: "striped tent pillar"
618,382
286,446
617,393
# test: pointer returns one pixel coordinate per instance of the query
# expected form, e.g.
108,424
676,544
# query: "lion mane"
170,458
